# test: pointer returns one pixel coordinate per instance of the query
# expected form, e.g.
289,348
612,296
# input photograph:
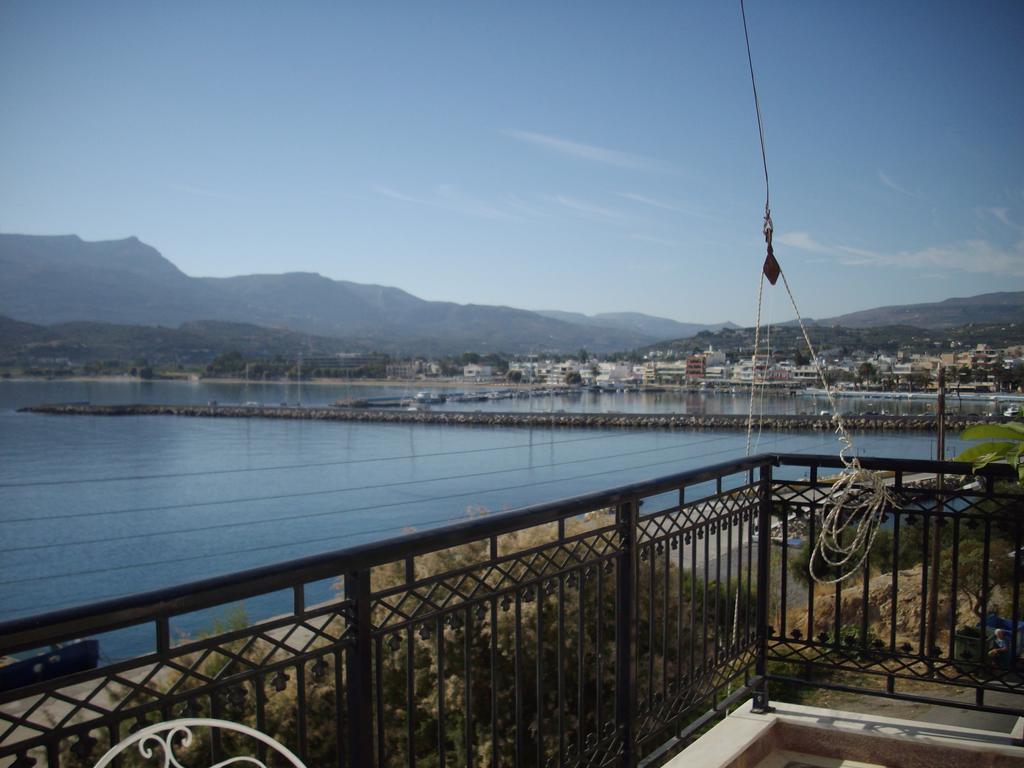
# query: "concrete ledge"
744,739
736,742
785,758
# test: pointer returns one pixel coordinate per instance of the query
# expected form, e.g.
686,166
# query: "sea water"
98,507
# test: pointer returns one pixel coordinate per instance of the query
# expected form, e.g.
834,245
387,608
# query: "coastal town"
981,369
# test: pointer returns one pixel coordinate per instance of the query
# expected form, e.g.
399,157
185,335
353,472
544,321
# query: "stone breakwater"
517,419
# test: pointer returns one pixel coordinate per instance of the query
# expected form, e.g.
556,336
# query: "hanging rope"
858,498
757,344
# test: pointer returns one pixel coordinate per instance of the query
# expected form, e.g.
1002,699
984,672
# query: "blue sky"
582,156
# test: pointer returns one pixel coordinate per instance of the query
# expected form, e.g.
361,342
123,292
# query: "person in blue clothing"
1000,651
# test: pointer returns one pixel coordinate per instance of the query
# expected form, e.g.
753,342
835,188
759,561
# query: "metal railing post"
358,671
764,553
627,516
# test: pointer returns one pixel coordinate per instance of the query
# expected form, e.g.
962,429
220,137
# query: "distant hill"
196,342
62,279
649,325
1007,307
787,339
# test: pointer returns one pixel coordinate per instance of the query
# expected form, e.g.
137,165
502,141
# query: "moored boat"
59,661
429,398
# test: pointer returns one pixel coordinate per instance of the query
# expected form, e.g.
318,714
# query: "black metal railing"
936,607
600,630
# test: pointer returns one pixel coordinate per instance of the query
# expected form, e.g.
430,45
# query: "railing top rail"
832,461
108,615
78,621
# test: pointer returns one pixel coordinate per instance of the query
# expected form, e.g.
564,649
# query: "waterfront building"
714,356
528,370
476,372
717,373
556,373
404,369
665,372
614,373
696,367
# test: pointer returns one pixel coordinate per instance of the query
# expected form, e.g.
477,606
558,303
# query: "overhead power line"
308,465
313,515
330,491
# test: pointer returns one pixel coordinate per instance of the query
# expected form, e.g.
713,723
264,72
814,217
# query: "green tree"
879,561
972,586
231,363
1001,443
866,372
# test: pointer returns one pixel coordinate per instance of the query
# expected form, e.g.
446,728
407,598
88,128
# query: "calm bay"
97,507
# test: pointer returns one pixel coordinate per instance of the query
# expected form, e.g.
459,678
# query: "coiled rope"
858,498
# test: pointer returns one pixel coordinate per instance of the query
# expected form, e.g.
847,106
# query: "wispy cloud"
672,206
972,256
521,206
656,240
449,198
394,194
213,194
591,210
583,151
884,178
1002,215
802,241
457,200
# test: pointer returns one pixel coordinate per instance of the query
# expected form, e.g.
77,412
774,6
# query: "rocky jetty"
518,419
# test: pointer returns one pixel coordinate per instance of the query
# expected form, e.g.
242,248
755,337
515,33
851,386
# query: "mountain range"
62,279
658,327
1002,307
60,292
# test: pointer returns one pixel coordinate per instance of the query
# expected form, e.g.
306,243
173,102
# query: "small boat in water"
1012,412
428,398
59,661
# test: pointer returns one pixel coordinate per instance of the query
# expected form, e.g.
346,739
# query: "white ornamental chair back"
158,742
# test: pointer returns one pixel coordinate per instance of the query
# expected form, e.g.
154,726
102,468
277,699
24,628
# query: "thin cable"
310,515
330,491
94,571
757,108
36,608
757,343
314,465
858,498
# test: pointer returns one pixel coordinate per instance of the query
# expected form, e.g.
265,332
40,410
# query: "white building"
614,373
556,374
476,372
